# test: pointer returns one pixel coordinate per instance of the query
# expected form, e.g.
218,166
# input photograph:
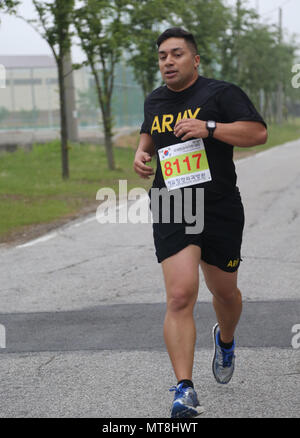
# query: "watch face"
211,124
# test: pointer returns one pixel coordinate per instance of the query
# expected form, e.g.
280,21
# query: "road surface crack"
44,365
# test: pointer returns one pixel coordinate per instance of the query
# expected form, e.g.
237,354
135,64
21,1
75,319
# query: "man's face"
177,63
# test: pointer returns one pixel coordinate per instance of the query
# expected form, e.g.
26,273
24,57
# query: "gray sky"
18,38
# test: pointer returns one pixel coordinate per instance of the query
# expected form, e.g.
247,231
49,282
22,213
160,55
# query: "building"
31,83
31,95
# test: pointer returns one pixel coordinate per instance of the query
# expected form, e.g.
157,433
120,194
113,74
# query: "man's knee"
180,298
225,294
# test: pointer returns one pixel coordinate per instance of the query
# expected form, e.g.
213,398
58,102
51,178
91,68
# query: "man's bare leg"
227,299
181,274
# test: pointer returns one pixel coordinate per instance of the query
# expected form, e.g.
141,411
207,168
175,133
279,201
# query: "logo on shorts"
233,263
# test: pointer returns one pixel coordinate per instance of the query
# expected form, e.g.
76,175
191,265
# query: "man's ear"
197,61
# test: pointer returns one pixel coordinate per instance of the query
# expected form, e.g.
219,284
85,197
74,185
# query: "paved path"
83,309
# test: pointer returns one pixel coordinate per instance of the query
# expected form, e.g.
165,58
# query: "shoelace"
227,357
179,392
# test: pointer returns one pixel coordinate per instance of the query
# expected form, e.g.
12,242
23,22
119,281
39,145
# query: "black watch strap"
211,126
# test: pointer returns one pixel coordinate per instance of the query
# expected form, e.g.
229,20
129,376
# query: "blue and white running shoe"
186,403
223,361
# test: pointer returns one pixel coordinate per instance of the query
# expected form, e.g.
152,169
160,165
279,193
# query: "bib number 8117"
184,166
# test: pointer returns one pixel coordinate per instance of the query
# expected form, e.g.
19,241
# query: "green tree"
208,22
102,33
146,21
9,6
53,24
256,59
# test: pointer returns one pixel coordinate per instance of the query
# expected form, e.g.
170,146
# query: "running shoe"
186,403
223,361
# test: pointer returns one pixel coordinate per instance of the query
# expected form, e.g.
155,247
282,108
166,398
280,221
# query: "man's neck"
189,84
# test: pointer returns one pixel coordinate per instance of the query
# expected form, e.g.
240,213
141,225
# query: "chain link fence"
29,103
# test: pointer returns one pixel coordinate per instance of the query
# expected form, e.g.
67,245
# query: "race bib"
184,164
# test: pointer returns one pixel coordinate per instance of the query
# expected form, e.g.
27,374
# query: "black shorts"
220,241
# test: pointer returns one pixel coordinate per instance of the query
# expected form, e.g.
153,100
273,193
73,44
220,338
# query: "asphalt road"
83,309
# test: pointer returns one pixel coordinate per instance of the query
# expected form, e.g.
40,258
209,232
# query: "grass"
32,190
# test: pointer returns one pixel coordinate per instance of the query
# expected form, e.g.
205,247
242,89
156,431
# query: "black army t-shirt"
206,99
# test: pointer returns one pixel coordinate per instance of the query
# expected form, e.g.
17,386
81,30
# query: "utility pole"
238,35
261,91
280,85
124,94
238,14
257,7
72,126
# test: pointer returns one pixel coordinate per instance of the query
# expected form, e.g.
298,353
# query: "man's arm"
242,134
145,151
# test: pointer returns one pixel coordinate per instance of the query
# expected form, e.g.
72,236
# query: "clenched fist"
139,164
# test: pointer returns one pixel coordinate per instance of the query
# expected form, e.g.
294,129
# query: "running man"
215,115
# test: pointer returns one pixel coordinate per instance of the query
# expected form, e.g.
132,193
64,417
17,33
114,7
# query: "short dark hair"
178,32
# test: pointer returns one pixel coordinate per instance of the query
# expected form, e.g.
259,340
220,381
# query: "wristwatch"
211,126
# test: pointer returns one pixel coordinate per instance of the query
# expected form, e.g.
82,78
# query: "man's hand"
139,164
190,128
